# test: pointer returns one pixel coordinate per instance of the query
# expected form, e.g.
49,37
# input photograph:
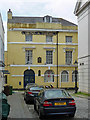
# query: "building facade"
1,53
82,12
41,50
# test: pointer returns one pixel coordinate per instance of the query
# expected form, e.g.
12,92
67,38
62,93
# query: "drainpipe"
57,59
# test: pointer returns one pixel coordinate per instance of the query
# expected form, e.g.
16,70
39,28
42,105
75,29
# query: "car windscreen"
50,94
35,88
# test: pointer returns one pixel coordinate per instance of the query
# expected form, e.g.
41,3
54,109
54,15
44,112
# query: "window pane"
47,19
39,60
28,56
73,76
48,38
39,73
49,76
28,37
68,57
64,76
49,57
68,39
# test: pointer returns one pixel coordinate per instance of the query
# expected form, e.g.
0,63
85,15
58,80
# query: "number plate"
61,103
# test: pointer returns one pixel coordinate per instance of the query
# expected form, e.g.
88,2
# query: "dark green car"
4,107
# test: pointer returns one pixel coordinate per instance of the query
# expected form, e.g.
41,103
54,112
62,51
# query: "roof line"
44,30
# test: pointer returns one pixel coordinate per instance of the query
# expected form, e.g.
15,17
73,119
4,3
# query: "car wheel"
26,101
71,115
40,115
24,98
4,118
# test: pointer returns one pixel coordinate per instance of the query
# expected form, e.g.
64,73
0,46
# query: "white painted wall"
83,74
83,34
89,30
1,40
89,49
1,53
84,49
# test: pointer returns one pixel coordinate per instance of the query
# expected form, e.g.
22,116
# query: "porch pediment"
81,4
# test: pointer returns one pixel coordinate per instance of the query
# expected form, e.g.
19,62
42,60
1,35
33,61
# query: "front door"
29,77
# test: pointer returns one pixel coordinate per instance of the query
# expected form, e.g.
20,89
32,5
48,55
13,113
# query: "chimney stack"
9,14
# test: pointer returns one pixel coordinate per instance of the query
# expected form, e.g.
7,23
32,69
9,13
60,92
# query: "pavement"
18,108
72,93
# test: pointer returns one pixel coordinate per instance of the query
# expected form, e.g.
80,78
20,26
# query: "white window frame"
73,75
68,57
68,39
47,76
28,37
49,58
67,75
29,56
49,39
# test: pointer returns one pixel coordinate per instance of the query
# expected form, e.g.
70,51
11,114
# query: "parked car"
54,102
30,85
31,93
4,106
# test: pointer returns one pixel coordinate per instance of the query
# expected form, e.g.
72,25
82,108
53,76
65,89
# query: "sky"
38,8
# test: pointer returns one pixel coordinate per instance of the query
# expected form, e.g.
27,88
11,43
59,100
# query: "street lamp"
57,59
76,88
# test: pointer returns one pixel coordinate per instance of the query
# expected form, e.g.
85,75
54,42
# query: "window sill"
48,64
69,64
48,82
28,41
49,42
28,64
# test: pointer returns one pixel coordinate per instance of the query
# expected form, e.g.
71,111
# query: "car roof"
53,89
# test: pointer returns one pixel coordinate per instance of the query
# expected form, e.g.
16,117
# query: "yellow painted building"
41,50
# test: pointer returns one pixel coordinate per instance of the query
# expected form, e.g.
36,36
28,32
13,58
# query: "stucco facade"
1,53
82,12
52,53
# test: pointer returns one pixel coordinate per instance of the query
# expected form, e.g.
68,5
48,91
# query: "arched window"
49,76
39,59
39,73
64,76
73,76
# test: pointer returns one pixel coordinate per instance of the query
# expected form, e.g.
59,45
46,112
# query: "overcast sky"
56,8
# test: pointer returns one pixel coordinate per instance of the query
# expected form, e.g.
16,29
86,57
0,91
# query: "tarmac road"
19,109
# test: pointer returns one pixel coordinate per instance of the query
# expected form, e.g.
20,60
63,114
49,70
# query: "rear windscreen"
56,94
35,88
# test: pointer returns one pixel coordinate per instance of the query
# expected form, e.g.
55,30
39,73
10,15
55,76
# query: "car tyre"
26,101
4,118
71,115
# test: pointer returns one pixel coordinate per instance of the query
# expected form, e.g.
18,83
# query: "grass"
82,93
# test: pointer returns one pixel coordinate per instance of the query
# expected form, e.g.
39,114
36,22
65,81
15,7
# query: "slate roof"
33,20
